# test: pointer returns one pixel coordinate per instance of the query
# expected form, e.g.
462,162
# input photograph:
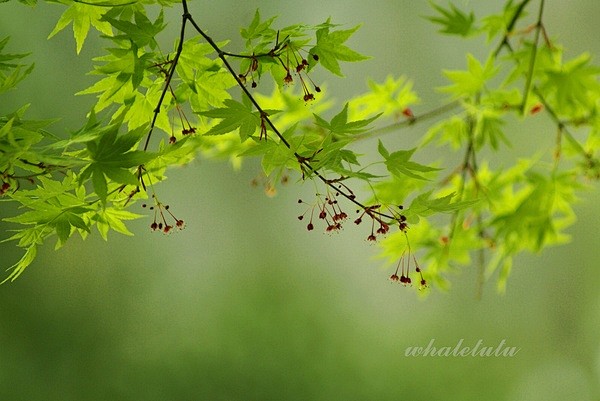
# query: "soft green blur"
245,304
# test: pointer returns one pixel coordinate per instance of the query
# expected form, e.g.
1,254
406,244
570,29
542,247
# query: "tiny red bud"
536,109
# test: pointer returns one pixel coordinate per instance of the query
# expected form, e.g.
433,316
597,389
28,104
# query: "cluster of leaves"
191,95
522,204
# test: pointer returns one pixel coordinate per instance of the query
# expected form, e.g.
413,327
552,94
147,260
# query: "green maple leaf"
112,157
15,70
473,80
53,208
398,163
235,116
257,28
574,86
82,16
111,217
330,48
390,97
423,205
56,205
142,31
453,21
339,124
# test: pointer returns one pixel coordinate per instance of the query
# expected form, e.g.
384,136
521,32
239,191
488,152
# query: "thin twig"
538,27
305,163
510,27
185,17
410,121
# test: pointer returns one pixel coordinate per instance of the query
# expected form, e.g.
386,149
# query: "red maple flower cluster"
161,216
373,212
404,268
328,210
293,63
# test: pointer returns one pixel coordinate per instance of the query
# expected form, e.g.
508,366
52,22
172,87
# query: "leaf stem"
538,28
410,122
510,27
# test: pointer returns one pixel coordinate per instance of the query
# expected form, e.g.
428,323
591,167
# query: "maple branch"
185,17
301,160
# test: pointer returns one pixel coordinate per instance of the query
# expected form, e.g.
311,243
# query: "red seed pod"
309,96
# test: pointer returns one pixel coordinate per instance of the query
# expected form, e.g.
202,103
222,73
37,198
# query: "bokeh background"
245,304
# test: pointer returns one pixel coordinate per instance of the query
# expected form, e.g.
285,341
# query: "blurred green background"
245,304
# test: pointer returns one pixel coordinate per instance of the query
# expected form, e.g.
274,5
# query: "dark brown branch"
185,17
303,162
